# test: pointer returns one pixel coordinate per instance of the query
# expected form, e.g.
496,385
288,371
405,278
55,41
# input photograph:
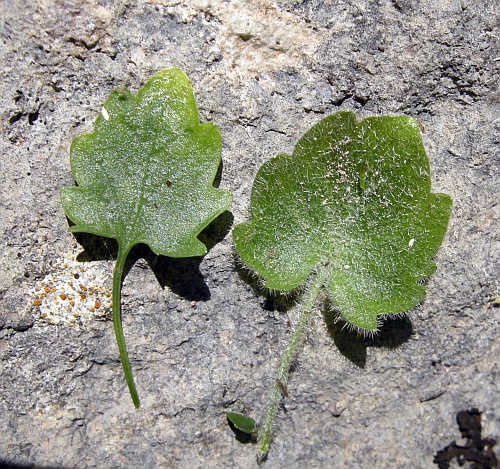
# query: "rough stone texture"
202,340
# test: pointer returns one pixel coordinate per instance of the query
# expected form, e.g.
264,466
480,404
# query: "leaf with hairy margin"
354,199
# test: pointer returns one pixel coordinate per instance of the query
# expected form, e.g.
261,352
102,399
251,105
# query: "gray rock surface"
202,340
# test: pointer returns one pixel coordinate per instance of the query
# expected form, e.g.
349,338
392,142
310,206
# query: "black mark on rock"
476,450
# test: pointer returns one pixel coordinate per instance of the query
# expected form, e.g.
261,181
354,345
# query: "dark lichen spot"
477,450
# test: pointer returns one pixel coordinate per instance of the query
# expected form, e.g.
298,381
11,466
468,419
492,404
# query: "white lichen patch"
73,292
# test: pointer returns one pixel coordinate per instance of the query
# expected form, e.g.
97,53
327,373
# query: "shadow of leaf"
182,276
96,248
240,436
272,300
394,332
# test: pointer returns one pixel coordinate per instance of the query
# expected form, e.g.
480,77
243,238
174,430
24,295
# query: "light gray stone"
201,338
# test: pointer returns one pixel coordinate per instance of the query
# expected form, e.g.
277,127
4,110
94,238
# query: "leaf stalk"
311,296
117,321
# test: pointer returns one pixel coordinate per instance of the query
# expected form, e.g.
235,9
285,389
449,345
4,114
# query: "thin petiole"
117,322
311,296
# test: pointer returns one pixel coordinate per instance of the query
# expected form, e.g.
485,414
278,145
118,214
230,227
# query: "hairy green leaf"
354,197
145,175
351,212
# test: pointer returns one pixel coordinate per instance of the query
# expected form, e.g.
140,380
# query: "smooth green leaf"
145,175
242,423
354,197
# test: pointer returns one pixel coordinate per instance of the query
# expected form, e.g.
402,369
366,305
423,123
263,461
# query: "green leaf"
354,197
145,175
350,212
242,423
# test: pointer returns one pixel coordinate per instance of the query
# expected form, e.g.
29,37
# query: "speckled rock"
202,339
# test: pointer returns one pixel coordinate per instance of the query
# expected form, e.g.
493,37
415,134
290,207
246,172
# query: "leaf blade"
242,422
309,208
150,164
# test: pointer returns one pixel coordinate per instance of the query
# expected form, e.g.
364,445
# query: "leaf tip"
242,423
